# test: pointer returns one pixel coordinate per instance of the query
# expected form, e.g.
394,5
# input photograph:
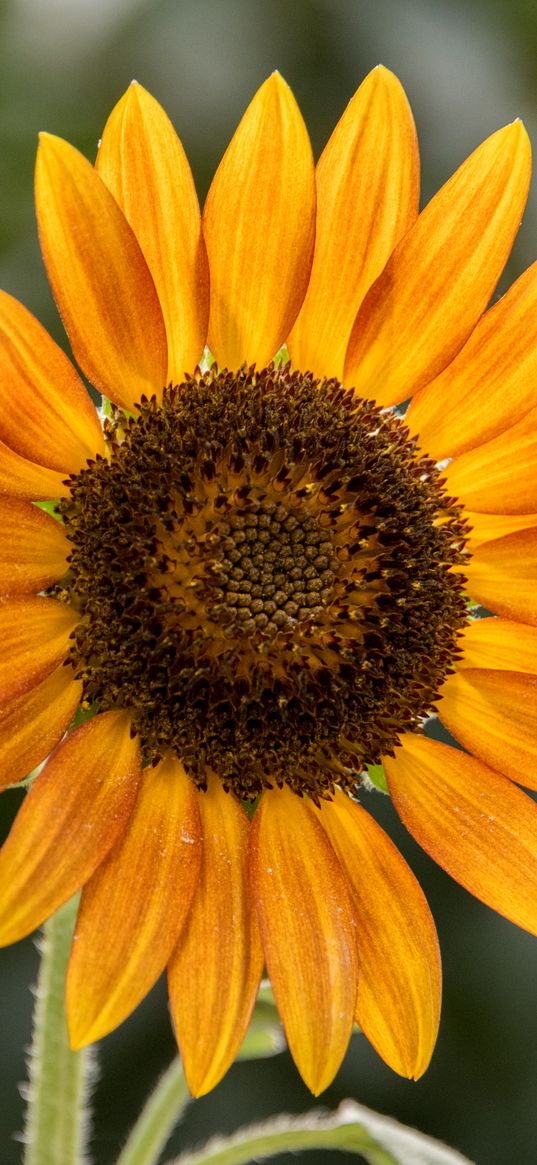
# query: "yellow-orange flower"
140,804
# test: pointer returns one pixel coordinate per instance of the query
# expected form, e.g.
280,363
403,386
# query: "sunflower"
252,576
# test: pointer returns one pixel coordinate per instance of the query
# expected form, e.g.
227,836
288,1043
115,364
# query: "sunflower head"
256,583
272,600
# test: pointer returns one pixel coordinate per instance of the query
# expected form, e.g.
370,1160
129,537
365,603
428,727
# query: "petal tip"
277,85
516,130
381,73
80,1034
276,78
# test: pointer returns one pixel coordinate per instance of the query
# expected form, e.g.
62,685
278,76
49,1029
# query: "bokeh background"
468,67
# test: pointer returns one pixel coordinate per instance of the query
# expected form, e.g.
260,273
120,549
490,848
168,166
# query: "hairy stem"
158,1119
57,1117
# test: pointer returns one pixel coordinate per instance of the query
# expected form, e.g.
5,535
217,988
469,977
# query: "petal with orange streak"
428,299
216,967
500,644
499,477
474,822
75,811
307,929
494,715
45,411
99,277
367,198
491,382
488,527
134,906
31,725
501,575
259,227
34,633
143,163
33,548
400,977
24,479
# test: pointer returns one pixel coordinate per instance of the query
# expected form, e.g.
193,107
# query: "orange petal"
34,633
494,715
501,575
307,931
439,280
215,970
31,725
487,527
499,477
143,163
134,906
259,226
491,381
99,277
45,411
472,821
76,809
24,479
367,198
400,980
33,548
499,643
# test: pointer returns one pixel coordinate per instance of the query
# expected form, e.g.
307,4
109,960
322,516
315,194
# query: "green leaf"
352,1129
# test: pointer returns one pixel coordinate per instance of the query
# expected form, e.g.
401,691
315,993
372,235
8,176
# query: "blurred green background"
467,68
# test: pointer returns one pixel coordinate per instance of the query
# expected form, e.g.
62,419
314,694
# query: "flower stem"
157,1120
377,1139
57,1117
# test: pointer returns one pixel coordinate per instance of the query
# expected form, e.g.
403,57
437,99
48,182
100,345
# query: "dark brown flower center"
262,568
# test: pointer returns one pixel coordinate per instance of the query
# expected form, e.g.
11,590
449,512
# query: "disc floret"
263,570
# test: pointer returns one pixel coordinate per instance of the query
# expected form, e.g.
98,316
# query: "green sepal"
377,777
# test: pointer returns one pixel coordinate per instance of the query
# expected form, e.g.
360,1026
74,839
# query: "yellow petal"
34,633
134,906
143,163
367,198
501,575
491,382
472,821
46,414
499,643
33,548
499,476
488,527
399,981
494,715
99,277
32,724
439,280
259,225
307,931
216,967
24,479
74,813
